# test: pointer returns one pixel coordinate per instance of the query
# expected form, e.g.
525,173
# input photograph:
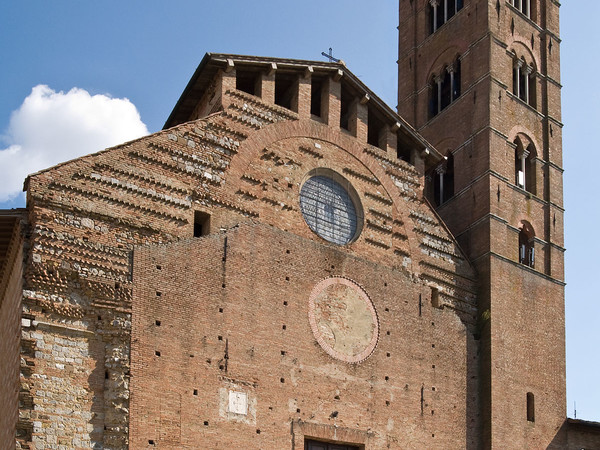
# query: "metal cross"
330,56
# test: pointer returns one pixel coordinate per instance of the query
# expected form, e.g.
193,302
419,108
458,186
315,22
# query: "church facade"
290,263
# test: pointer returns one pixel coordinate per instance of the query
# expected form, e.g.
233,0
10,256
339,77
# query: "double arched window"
525,155
444,87
524,81
440,11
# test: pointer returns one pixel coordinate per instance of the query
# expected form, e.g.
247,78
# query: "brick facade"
104,373
175,296
11,276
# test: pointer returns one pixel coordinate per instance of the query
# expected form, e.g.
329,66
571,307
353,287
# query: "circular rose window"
328,207
343,319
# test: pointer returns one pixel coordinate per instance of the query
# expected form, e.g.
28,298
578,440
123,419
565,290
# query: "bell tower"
480,79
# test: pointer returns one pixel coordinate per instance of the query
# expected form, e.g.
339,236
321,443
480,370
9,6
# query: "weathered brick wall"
11,271
521,309
245,164
528,335
229,312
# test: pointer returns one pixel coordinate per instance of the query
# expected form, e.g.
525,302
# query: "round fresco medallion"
343,319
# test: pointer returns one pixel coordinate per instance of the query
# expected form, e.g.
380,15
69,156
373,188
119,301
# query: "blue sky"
146,51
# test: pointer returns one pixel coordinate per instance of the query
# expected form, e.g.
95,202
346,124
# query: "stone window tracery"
330,207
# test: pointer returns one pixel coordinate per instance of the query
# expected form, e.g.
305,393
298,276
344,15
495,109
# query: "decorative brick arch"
447,56
521,48
525,135
449,142
251,149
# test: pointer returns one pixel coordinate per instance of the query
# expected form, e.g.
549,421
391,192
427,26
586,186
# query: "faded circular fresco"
343,319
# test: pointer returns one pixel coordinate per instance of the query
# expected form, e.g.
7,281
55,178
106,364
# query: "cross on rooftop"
330,56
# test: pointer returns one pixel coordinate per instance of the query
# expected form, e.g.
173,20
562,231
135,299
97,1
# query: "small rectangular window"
201,224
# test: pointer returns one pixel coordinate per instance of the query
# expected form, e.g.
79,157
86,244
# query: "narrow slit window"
530,407
345,109
316,96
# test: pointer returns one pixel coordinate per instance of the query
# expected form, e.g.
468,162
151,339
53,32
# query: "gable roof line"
211,62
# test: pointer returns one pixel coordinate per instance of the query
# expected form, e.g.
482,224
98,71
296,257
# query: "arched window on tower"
525,166
526,244
441,11
524,81
444,88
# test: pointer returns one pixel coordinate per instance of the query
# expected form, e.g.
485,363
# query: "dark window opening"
286,91
316,95
248,82
441,11
403,151
456,84
530,171
376,133
530,407
532,100
440,14
524,82
522,85
201,224
316,445
526,245
345,109
433,98
446,89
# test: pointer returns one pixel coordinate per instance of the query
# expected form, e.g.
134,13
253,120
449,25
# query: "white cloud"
52,127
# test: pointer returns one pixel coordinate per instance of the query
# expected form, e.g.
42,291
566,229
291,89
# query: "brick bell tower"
480,79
